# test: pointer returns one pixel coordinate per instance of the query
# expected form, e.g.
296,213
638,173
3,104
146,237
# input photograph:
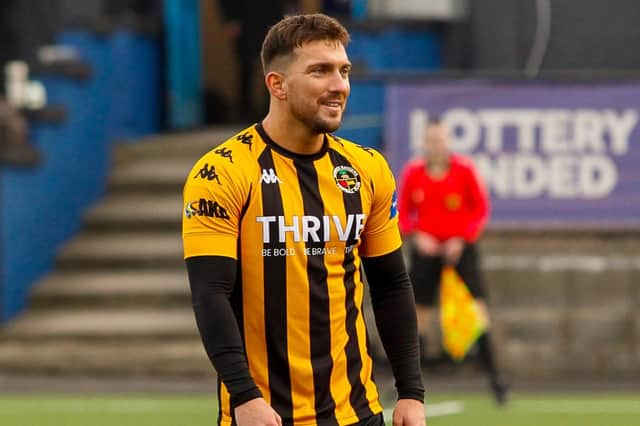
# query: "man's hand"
257,412
427,244
452,250
409,412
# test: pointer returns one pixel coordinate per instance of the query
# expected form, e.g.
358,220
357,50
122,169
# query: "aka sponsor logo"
308,228
347,179
224,153
204,207
393,211
269,176
246,139
208,173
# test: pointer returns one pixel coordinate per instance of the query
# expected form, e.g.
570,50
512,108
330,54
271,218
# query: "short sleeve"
213,201
381,234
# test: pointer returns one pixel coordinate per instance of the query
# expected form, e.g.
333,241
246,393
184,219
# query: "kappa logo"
224,153
269,176
208,173
245,138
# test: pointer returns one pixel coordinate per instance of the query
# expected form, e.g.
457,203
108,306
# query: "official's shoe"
500,392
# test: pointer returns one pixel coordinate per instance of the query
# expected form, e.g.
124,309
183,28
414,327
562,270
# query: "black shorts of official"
426,271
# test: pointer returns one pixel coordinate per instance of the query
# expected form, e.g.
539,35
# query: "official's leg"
469,270
425,275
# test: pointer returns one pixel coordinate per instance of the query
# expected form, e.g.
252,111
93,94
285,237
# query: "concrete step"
123,250
192,144
135,358
156,174
161,163
159,211
103,325
124,288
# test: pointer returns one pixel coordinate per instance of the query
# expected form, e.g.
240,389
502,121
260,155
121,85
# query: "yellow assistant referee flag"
461,320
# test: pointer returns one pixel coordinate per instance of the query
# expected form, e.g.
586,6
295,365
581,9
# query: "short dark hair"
294,31
434,120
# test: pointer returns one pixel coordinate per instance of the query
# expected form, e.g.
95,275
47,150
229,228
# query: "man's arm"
406,208
212,279
478,202
395,314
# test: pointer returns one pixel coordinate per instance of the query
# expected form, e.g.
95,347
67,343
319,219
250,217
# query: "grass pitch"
616,409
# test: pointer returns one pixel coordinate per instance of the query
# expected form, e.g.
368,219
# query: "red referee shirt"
455,205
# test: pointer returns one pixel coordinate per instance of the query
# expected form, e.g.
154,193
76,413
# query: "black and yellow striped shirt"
297,226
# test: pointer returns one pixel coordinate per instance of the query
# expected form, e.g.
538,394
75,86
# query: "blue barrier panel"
89,112
364,115
32,222
385,49
94,49
365,49
411,50
134,85
149,84
82,156
122,85
395,49
41,208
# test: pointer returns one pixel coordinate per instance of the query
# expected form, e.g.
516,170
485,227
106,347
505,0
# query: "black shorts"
375,420
426,272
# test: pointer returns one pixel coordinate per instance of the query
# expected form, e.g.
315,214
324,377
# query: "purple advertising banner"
551,154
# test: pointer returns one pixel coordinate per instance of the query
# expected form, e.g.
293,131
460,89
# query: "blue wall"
43,207
376,52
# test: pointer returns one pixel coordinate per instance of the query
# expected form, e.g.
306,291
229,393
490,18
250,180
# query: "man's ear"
276,85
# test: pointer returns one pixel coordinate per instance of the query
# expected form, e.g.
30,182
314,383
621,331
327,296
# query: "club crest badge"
347,179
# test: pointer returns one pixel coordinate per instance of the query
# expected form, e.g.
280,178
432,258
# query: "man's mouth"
337,105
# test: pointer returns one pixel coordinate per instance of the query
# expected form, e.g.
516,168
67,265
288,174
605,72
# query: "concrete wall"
565,304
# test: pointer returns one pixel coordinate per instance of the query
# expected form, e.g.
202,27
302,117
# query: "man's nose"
339,82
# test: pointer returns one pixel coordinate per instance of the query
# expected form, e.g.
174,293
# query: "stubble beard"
314,122
322,126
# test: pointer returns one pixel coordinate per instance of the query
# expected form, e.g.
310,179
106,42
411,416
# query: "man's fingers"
410,421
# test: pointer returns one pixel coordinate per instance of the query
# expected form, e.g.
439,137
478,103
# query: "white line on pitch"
438,409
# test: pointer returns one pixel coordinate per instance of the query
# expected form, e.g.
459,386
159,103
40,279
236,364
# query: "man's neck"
437,167
292,135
